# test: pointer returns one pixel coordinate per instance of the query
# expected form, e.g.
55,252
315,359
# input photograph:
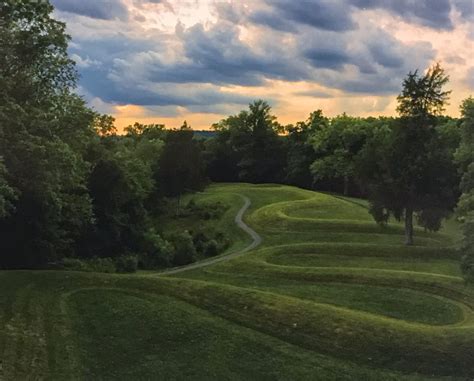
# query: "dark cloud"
231,12
97,9
321,14
386,52
123,70
432,13
106,49
272,20
466,8
327,57
285,15
131,71
218,56
187,68
99,83
375,85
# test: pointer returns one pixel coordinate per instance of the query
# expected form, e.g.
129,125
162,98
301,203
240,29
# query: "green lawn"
329,295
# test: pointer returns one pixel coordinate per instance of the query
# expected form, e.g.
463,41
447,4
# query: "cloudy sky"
164,61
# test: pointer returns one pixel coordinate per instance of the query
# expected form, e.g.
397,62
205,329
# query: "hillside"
328,295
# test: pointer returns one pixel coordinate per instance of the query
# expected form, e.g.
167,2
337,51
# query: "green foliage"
184,250
100,265
248,147
69,186
7,193
123,264
211,249
44,133
104,125
408,168
150,131
126,264
210,244
423,95
301,154
156,251
336,147
328,291
204,210
465,159
181,168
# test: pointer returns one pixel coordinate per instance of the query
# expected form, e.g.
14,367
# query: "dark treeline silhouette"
71,187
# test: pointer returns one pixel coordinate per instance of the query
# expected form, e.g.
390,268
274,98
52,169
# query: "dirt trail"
256,240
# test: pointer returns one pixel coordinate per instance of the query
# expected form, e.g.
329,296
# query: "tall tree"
256,151
465,159
181,164
300,151
409,168
262,150
44,131
336,147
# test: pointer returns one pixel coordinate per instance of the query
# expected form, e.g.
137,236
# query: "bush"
156,251
100,265
126,264
467,263
206,211
184,249
223,242
211,243
211,249
467,267
74,264
200,240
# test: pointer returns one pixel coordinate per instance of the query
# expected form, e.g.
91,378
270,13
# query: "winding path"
256,241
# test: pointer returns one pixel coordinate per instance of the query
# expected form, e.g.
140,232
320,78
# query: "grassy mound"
328,295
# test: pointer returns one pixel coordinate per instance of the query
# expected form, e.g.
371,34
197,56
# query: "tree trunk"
346,185
408,226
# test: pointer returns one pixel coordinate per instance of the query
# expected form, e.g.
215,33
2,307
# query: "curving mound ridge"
326,295
349,286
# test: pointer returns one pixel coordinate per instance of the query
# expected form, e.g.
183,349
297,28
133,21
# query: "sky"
166,61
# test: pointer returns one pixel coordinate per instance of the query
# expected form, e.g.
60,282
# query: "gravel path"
256,240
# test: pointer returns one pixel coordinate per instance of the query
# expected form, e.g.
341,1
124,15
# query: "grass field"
329,295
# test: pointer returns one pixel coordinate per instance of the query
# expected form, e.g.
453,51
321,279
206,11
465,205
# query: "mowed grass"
329,295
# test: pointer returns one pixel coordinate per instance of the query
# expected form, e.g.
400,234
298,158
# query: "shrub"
211,248
467,267
126,264
100,265
74,264
156,251
223,242
467,263
200,240
185,251
206,211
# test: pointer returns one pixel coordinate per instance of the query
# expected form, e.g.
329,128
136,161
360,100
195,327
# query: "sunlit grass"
328,295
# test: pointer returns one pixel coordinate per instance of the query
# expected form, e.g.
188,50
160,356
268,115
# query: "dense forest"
74,191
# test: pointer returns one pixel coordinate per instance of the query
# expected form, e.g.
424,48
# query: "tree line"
72,187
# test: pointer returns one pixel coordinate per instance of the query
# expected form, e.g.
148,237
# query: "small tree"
408,169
